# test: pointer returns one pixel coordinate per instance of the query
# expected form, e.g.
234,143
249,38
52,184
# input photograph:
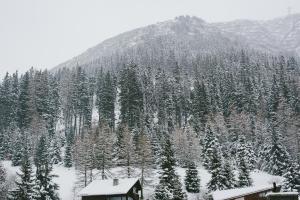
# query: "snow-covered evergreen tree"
3,183
243,163
192,180
17,153
246,153
25,189
277,158
131,97
45,187
229,174
218,179
68,161
210,147
55,151
291,178
200,106
169,184
244,179
106,97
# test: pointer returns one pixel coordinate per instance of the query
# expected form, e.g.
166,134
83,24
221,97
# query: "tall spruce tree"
46,189
3,183
244,179
17,152
25,189
192,181
277,159
210,147
169,183
24,111
106,97
218,179
200,106
229,174
131,97
291,178
68,161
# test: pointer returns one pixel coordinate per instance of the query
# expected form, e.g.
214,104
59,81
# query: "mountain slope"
188,37
183,37
279,35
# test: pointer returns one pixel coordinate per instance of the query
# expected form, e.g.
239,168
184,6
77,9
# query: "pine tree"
210,147
6,102
68,161
169,182
200,106
3,183
53,105
178,95
218,179
45,187
131,97
25,184
245,153
192,181
165,102
244,179
277,158
55,151
229,174
17,153
291,178
162,193
106,97
24,111
251,156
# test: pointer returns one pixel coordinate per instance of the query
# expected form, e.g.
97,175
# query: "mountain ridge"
194,36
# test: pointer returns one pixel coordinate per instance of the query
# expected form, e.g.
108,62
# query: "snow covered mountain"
187,37
277,35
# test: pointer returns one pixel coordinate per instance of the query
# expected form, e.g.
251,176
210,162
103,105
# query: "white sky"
44,33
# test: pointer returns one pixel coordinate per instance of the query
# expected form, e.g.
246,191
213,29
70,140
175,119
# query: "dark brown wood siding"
255,196
101,197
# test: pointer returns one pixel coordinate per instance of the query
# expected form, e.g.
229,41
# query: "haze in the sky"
45,33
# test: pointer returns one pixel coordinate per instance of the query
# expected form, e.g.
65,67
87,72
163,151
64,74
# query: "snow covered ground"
66,179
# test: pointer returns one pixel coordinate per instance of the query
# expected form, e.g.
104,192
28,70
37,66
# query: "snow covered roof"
239,192
106,187
283,194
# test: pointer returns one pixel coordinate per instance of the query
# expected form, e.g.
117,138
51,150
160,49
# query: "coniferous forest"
232,113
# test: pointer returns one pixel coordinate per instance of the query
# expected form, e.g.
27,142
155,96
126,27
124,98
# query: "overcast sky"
44,33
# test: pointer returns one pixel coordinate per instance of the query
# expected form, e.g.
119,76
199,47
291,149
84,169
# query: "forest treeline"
235,112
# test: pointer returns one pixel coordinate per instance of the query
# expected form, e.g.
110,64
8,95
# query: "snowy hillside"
184,35
190,36
67,179
280,34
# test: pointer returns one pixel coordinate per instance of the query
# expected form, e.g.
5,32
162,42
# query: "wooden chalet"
247,193
113,189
